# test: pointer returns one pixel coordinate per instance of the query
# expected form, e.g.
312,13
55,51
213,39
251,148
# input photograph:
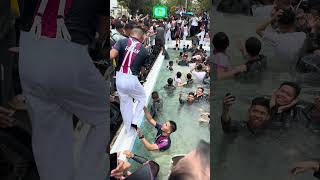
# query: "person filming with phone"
258,115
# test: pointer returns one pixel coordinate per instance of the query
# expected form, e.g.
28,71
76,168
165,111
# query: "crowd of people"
293,32
137,41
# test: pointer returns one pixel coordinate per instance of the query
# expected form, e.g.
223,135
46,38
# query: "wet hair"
170,62
179,74
191,93
253,46
294,85
220,41
155,93
177,45
287,18
173,126
170,81
201,88
189,76
181,53
261,101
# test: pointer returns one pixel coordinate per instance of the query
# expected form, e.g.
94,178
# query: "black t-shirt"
82,19
140,60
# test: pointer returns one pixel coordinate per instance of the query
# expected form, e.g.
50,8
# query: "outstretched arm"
149,117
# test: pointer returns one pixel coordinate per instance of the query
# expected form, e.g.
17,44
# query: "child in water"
170,66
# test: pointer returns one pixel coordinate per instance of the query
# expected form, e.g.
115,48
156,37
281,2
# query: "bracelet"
60,17
141,137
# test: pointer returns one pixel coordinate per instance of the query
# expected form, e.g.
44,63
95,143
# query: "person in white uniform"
133,57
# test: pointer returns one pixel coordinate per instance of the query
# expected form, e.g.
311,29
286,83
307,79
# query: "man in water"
162,141
157,105
169,86
200,96
284,109
190,100
132,59
258,115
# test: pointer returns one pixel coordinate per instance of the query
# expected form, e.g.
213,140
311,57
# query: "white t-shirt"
286,45
194,21
177,81
185,30
199,75
192,65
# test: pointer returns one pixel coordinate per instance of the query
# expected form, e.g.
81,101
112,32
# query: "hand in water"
5,119
120,170
36,27
62,31
303,166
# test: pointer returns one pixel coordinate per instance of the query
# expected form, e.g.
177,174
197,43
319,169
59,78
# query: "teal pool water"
189,129
271,156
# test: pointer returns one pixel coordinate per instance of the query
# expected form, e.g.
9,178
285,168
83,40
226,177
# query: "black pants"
7,67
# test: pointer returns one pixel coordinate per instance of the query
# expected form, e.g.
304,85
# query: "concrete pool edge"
125,141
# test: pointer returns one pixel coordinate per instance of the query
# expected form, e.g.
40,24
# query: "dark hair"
201,88
189,75
181,53
179,74
180,175
253,46
199,67
128,26
294,85
173,126
155,93
170,81
191,93
220,41
119,25
170,62
177,45
287,18
261,101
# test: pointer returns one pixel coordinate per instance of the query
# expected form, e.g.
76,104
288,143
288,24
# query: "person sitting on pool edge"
258,115
162,140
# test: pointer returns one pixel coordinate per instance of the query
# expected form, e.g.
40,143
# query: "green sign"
160,12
